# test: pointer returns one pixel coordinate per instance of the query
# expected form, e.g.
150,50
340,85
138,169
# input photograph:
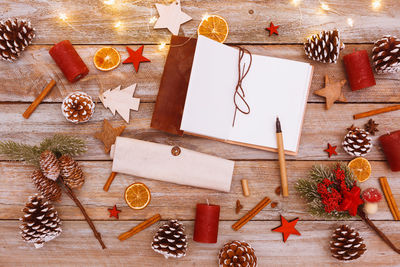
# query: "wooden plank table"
90,25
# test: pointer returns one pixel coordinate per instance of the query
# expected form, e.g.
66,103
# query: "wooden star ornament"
171,17
114,212
136,57
331,150
332,92
287,228
109,134
272,29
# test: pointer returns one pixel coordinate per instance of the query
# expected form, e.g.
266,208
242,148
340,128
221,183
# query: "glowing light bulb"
118,24
153,20
376,4
63,17
161,46
109,2
350,21
296,2
325,7
205,17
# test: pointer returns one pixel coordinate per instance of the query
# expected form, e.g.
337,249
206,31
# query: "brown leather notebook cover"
168,111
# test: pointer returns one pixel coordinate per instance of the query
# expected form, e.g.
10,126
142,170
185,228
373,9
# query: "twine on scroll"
239,92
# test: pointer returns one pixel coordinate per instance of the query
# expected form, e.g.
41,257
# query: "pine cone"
324,47
49,165
237,254
357,142
347,244
170,240
78,107
15,36
71,172
386,55
41,222
47,188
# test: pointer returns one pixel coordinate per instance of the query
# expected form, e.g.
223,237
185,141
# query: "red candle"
359,71
391,147
206,224
68,60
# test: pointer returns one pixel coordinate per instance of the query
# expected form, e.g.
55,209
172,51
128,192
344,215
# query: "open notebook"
273,87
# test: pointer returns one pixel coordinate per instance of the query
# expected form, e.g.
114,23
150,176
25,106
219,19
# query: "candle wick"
208,203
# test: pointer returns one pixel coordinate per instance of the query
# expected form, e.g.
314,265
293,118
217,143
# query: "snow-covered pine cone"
170,240
386,55
49,165
324,47
78,107
47,188
357,142
347,244
71,172
237,254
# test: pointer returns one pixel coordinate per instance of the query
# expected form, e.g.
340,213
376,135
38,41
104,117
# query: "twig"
363,216
71,194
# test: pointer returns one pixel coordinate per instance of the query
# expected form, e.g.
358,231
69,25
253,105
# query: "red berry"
371,195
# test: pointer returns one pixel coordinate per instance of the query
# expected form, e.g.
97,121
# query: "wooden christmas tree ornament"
121,101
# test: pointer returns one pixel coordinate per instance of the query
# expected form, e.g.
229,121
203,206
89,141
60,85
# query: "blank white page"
209,100
273,87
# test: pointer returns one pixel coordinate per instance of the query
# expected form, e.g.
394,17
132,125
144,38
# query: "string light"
118,24
325,7
376,4
109,2
161,46
63,17
153,20
205,17
296,2
350,22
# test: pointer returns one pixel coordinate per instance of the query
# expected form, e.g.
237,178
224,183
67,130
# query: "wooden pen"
281,155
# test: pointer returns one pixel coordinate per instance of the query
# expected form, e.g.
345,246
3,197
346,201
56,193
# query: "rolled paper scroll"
68,60
159,162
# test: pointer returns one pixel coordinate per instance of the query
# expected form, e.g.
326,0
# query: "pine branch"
63,145
20,152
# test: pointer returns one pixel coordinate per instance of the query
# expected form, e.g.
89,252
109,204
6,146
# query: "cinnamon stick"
38,99
363,216
389,198
109,181
375,112
250,215
140,227
71,194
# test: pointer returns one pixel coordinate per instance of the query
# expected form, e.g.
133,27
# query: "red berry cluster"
331,192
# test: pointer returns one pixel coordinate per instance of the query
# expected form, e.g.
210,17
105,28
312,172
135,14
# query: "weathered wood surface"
90,25
92,22
24,79
320,127
309,249
176,201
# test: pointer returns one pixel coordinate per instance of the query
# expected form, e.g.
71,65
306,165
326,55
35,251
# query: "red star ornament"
331,150
114,212
287,228
136,57
351,201
272,29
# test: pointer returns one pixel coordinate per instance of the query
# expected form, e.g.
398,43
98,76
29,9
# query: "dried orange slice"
361,168
137,196
214,27
106,58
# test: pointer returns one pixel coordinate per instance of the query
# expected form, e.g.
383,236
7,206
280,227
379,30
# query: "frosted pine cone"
71,172
78,107
324,47
15,36
47,188
237,254
40,222
357,142
386,55
347,244
49,165
170,240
